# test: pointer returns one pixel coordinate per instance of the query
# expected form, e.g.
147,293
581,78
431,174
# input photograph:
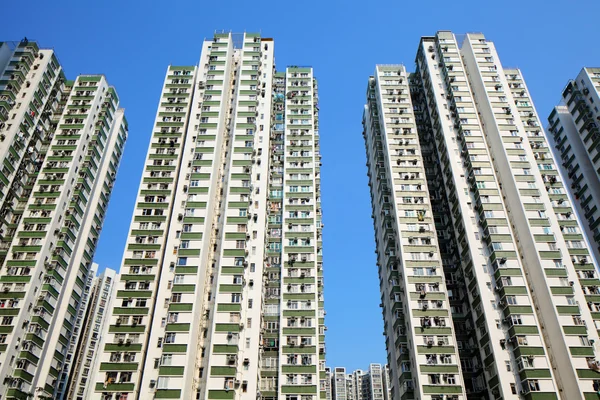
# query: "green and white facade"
574,131
220,293
514,275
60,145
422,349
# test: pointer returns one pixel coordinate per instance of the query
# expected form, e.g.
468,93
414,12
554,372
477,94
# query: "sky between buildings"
133,42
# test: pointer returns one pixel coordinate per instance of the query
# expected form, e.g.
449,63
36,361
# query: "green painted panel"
120,366
227,327
181,307
582,351
189,252
523,330
299,350
588,374
234,253
130,310
174,348
114,387
568,309
428,389
167,394
123,347
445,369
231,288
223,371
221,394
177,327
534,374
575,330
299,389
225,348
171,370
183,288
126,329
186,270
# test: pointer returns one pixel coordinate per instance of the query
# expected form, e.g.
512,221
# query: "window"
516,320
166,359
533,385
163,382
585,341
169,338
176,298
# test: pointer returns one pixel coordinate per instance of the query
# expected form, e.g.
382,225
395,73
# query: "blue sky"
133,42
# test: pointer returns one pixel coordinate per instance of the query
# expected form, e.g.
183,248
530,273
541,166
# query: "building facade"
359,384
94,326
60,144
387,389
573,131
327,384
339,384
481,257
376,382
221,292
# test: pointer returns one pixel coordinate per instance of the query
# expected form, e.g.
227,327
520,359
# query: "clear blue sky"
132,42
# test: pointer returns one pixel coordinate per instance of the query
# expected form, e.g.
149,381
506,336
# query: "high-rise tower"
94,326
574,132
483,264
60,143
220,294
414,298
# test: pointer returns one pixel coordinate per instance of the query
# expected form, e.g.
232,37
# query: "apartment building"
376,382
339,384
573,132
61,143
483,264
221,291
414,300
94,326
359,384
327,384
387,386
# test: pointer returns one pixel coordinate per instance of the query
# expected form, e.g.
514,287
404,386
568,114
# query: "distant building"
574,131
94,327
327,383
339,384
361,385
